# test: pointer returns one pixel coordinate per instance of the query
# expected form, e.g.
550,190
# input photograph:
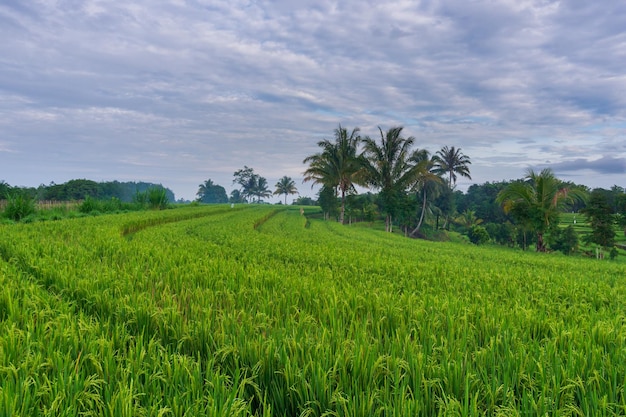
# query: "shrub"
564,240
157,197
19,206
89,205
478,235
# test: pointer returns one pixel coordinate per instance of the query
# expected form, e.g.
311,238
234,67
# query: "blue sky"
177,92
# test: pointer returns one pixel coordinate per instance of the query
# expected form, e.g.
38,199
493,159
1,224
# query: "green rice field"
259,311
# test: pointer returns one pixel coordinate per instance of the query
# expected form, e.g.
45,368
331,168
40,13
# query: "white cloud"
172,91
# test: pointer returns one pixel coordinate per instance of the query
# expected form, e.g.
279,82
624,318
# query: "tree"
252,184
337,165
564,240
426,183
600,215
245,177
327,200
478,235
211,193
236,197
4,190
537,202
468,218
388,168
259,189
450,161
285,186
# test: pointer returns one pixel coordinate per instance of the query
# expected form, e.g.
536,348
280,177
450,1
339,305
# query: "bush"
478,235
157,197
19,206
89,205
564,240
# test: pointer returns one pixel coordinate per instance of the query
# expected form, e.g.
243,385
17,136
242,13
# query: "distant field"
259,311
579,221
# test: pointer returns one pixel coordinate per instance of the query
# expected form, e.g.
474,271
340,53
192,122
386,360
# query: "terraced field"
258,311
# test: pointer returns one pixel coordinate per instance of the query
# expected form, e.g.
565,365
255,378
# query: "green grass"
261,311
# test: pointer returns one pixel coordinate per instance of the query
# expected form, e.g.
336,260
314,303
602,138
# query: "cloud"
604,165
177,90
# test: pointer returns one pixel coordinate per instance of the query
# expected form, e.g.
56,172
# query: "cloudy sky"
180,91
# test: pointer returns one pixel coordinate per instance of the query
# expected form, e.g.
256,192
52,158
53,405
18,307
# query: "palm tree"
209,192
388,168
427,182
468,219
450,161
337,165
286,186
260,190
537,202
204,188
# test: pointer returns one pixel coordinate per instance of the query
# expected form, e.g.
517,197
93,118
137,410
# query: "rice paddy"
258,311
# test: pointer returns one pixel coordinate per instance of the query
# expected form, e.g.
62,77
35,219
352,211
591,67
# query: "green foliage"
389,166
304,201
481,198
502,233
211,193
564,239
79,189
337,166
537,202
478,235
19,206
157,198
89,205
328,201
451,161
285,186
600,215
252,185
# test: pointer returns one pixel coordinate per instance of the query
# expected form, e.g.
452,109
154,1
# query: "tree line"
411,184
80,189
253,188
414,189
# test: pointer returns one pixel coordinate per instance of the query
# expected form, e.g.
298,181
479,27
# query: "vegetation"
337,165
285,186
260,311
252,185
19,206
600,216
388,167
450,162
211,193
537,202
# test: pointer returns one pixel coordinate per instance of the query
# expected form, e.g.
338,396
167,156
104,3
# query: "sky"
177,92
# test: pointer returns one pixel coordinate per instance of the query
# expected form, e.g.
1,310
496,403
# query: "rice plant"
253,311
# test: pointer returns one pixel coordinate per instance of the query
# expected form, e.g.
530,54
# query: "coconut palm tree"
468,219
388,168
260,190
537,202
450,162
210,192
337,164
285,186
427,182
